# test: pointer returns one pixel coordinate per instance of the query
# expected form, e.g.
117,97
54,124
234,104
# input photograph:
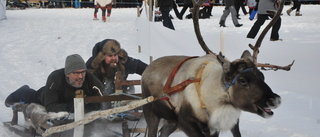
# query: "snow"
34,42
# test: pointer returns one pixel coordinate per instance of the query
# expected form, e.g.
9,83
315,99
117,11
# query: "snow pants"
226,13
259,22
24,94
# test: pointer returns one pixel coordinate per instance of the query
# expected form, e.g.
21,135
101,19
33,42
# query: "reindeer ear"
247,54
224,62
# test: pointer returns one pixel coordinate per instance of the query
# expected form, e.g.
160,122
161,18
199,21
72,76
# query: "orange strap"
180,86
198,84
167,86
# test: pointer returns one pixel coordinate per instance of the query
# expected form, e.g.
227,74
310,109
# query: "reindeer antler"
260,39
195,18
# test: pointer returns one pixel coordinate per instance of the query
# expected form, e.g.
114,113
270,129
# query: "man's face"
111,60
76,78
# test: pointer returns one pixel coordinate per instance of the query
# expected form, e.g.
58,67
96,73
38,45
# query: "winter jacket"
265,5
132,66
187,2
165,4
57,95
251,4
229,3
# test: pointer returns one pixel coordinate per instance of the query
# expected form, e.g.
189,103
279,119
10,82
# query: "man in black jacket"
59,91
107,59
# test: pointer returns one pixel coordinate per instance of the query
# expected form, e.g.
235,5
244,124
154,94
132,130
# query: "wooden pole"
125,129
151,59
151,10
78,112
118,82
222,42
97,114
14,120
139,49
138,11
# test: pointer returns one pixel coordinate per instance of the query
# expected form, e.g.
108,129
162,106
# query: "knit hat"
74,62
111,47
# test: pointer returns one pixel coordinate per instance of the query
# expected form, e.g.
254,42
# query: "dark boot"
238,25
222,23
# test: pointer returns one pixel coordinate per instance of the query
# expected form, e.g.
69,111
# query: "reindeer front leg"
235,130
188,123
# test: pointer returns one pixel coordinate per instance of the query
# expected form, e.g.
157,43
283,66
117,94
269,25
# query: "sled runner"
19,130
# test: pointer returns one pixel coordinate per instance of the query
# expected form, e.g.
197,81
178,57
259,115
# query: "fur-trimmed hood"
107,46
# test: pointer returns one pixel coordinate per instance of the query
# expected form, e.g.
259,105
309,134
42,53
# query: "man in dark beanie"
58,93
107,59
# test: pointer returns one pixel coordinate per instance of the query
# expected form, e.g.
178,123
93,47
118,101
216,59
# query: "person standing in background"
296,5
263,6
229,8
104,5
251,5
186,4
240,4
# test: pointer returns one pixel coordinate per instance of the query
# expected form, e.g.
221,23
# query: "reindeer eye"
242,81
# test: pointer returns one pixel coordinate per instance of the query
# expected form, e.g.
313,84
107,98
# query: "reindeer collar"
228,85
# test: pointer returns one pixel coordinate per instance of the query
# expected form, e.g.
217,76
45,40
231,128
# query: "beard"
77,83
111,70
113,63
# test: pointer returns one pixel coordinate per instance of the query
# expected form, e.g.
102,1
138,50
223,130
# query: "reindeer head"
247,88
246,83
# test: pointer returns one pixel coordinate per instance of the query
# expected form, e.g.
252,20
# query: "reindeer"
205,95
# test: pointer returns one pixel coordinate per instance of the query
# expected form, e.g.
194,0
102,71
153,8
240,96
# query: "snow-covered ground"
34,42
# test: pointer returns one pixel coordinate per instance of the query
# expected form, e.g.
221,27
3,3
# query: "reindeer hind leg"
152,120
168,129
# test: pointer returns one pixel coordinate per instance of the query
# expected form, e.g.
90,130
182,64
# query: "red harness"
168,90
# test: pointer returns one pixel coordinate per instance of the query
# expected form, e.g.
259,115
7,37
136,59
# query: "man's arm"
135,66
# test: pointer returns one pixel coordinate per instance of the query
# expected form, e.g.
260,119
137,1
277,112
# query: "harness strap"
198,84
173,73
181,86
166,98
177,88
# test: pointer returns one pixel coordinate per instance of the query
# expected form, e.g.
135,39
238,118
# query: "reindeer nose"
274,102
